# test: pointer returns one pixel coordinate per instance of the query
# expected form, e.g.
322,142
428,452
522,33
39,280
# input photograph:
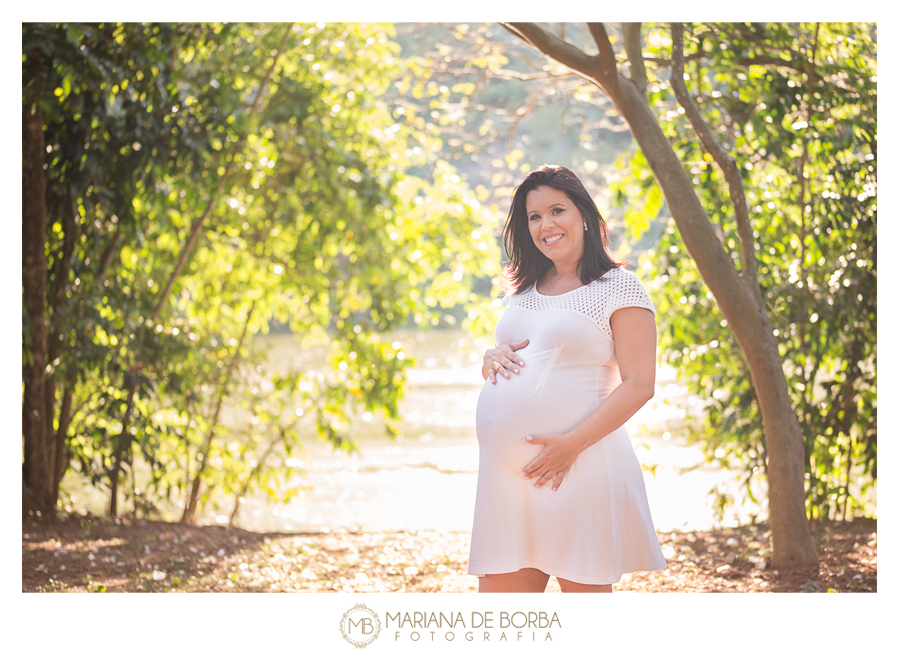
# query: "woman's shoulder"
624,289
518,294
618,273
613,279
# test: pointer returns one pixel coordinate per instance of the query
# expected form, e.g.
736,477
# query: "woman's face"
555,223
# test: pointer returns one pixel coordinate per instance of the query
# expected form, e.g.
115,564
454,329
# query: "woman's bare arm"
634,333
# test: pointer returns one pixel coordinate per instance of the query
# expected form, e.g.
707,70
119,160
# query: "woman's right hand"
502,360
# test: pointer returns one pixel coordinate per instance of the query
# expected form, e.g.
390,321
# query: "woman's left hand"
555,460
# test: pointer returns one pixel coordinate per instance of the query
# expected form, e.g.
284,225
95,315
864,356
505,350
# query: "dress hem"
575,578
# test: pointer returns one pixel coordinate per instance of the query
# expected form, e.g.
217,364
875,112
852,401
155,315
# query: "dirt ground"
90,554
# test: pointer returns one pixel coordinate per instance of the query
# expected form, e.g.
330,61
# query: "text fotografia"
480,626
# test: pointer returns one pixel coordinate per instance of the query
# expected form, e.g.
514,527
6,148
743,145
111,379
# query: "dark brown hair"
526,262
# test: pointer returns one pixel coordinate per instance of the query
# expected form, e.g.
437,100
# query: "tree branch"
634,49
190,510
608,70
198,223
552,46
726,163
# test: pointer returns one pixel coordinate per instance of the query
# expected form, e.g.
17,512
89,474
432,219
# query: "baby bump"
527,404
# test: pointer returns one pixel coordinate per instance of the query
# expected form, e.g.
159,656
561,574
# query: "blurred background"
261,263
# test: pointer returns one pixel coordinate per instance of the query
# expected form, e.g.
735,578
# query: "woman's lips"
553,239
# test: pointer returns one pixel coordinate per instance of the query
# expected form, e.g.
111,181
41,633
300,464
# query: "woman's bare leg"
571,586
523,580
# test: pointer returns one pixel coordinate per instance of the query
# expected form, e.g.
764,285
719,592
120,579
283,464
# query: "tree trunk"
37,476
737,296
120,444
56,296
60,439
791,540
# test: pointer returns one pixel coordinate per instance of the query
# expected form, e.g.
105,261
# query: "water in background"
426,478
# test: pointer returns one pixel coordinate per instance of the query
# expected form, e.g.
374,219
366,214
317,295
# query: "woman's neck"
560,270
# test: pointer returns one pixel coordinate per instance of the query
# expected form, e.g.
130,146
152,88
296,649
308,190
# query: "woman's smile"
553,239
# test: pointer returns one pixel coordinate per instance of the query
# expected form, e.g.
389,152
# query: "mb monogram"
360,625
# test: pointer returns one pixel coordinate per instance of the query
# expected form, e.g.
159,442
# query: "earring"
585,226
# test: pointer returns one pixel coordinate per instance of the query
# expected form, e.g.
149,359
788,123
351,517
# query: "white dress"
597,525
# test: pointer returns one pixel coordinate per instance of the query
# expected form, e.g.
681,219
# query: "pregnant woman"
560,490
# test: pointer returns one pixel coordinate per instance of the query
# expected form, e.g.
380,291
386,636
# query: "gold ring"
496,365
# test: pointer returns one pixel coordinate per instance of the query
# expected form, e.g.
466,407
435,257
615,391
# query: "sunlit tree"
202,180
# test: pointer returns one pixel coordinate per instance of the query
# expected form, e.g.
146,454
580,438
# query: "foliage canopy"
796,106
271,146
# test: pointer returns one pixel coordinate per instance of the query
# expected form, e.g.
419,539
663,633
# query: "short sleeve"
505,300
625,290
